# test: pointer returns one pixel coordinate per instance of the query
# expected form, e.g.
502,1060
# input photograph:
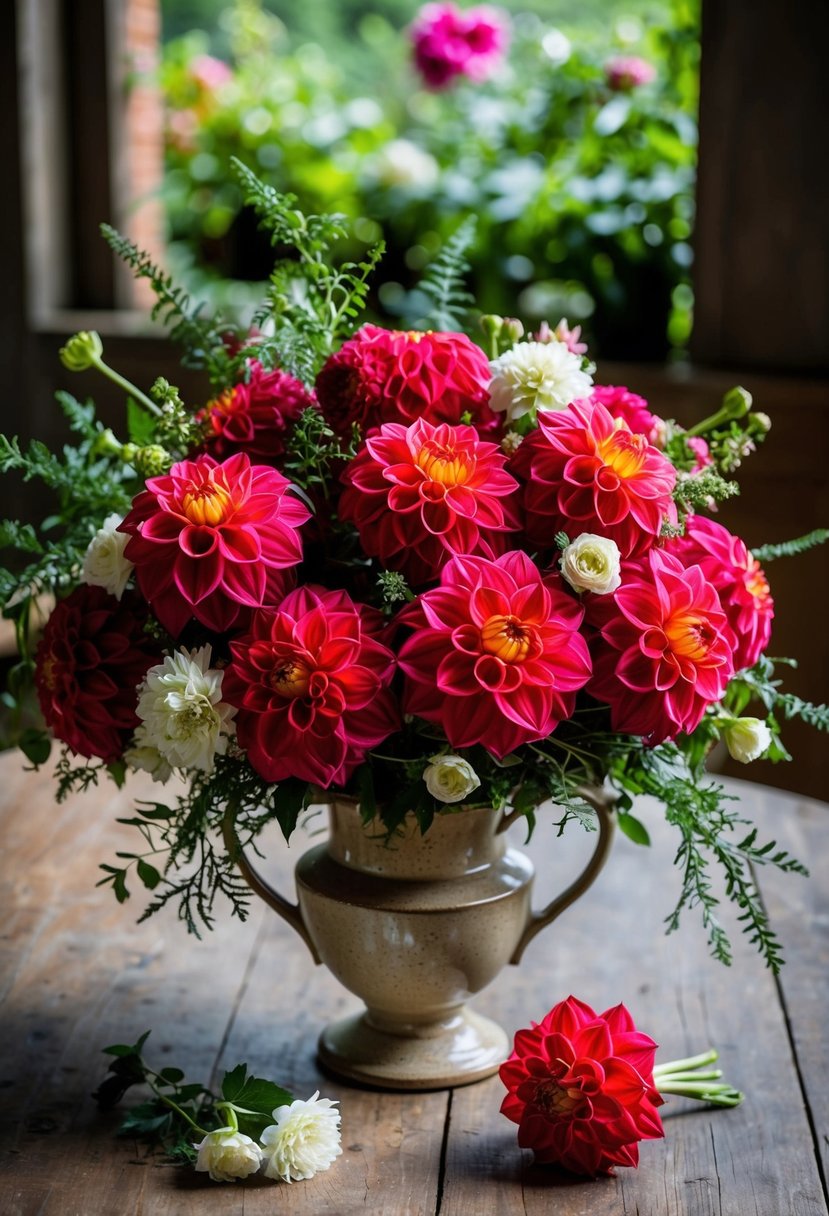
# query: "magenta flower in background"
448,43
626,72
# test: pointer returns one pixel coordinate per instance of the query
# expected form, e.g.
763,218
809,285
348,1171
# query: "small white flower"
181,708
591,563
450,778
226,1154
536,376
304,1140
747,739
402,163
104,564
147,758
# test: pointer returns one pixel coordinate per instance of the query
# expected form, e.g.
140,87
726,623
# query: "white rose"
450,778
747,739
536,376
182,712
104,564
227,1154
304,1140
591,563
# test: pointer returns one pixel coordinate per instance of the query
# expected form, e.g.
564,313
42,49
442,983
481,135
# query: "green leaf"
172,1075
632,828
288,800
148,874
140,424
253,1093
35,746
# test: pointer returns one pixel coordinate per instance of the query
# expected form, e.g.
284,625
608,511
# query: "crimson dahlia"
581,1088
311,683
586,472
664,648
420,494
93,655
630,407
212,540
255,416
383,375
496,657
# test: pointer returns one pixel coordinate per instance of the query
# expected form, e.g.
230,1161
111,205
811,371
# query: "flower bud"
513,329
760,422
591,563
747,739
227,1154
83,350
152,461
450,778
492,324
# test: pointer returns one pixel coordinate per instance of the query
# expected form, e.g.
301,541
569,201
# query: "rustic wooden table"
77,973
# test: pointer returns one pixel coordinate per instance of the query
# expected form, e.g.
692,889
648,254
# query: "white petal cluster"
592,563
182,713
450,778
142,755
226,1154
304,1140
536,376
403,164
104,564
747,739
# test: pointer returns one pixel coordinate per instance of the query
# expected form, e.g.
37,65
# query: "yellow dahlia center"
227,401
507,638
624,453
291,678
557,1102
206,505
756,581
689,637
443,464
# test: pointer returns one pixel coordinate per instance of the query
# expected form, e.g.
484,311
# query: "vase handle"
292,913
603,807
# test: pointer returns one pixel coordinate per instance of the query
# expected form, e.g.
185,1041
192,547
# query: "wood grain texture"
77,973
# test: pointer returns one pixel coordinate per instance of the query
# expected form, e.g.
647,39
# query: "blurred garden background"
576,154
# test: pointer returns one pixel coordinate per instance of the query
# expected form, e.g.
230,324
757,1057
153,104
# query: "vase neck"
457,843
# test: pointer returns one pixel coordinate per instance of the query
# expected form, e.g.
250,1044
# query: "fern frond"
444,281
790,548
807,711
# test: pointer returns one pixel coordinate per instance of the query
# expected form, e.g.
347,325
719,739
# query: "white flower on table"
226,1155
304,1140
450,778
182,713
536,376
104,564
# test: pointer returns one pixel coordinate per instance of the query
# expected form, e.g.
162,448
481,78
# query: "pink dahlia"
585,472
496,657
420,494
664,649
630,407
739,579
211,540
256,415
448,43
581,1088
311,683
628,72
383,375
93,655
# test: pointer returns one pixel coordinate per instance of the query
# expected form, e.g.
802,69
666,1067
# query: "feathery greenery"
444,282
791,548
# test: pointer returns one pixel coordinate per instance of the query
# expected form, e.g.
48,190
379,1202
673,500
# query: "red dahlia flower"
739,579
581,1088
210,540
93,655
383,375
630,407
496,657
254,416
585,472
664,648
448,43
311,683
420,494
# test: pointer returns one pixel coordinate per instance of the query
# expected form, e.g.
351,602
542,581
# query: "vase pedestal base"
463,1048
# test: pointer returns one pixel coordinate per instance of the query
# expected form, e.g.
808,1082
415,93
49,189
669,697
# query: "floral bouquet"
406,567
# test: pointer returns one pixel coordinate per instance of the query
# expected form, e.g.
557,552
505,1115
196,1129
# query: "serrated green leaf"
632,828
253,1093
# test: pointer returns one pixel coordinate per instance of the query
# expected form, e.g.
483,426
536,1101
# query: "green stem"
717,1095
706,1057
129,388
233,1122
174,1106
664,1079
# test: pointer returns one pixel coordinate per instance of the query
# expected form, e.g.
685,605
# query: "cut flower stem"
690,1078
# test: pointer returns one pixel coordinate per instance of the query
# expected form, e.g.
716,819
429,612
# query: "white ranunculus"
227,1154
536,376
104,564
591,563
450,778
402,163
747,739
181,708
303,1141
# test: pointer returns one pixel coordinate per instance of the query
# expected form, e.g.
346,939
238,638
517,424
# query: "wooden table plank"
77,973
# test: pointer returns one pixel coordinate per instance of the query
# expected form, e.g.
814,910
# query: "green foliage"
790,548
444,282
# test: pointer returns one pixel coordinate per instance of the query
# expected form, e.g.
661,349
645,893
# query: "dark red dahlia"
93,655
256,416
